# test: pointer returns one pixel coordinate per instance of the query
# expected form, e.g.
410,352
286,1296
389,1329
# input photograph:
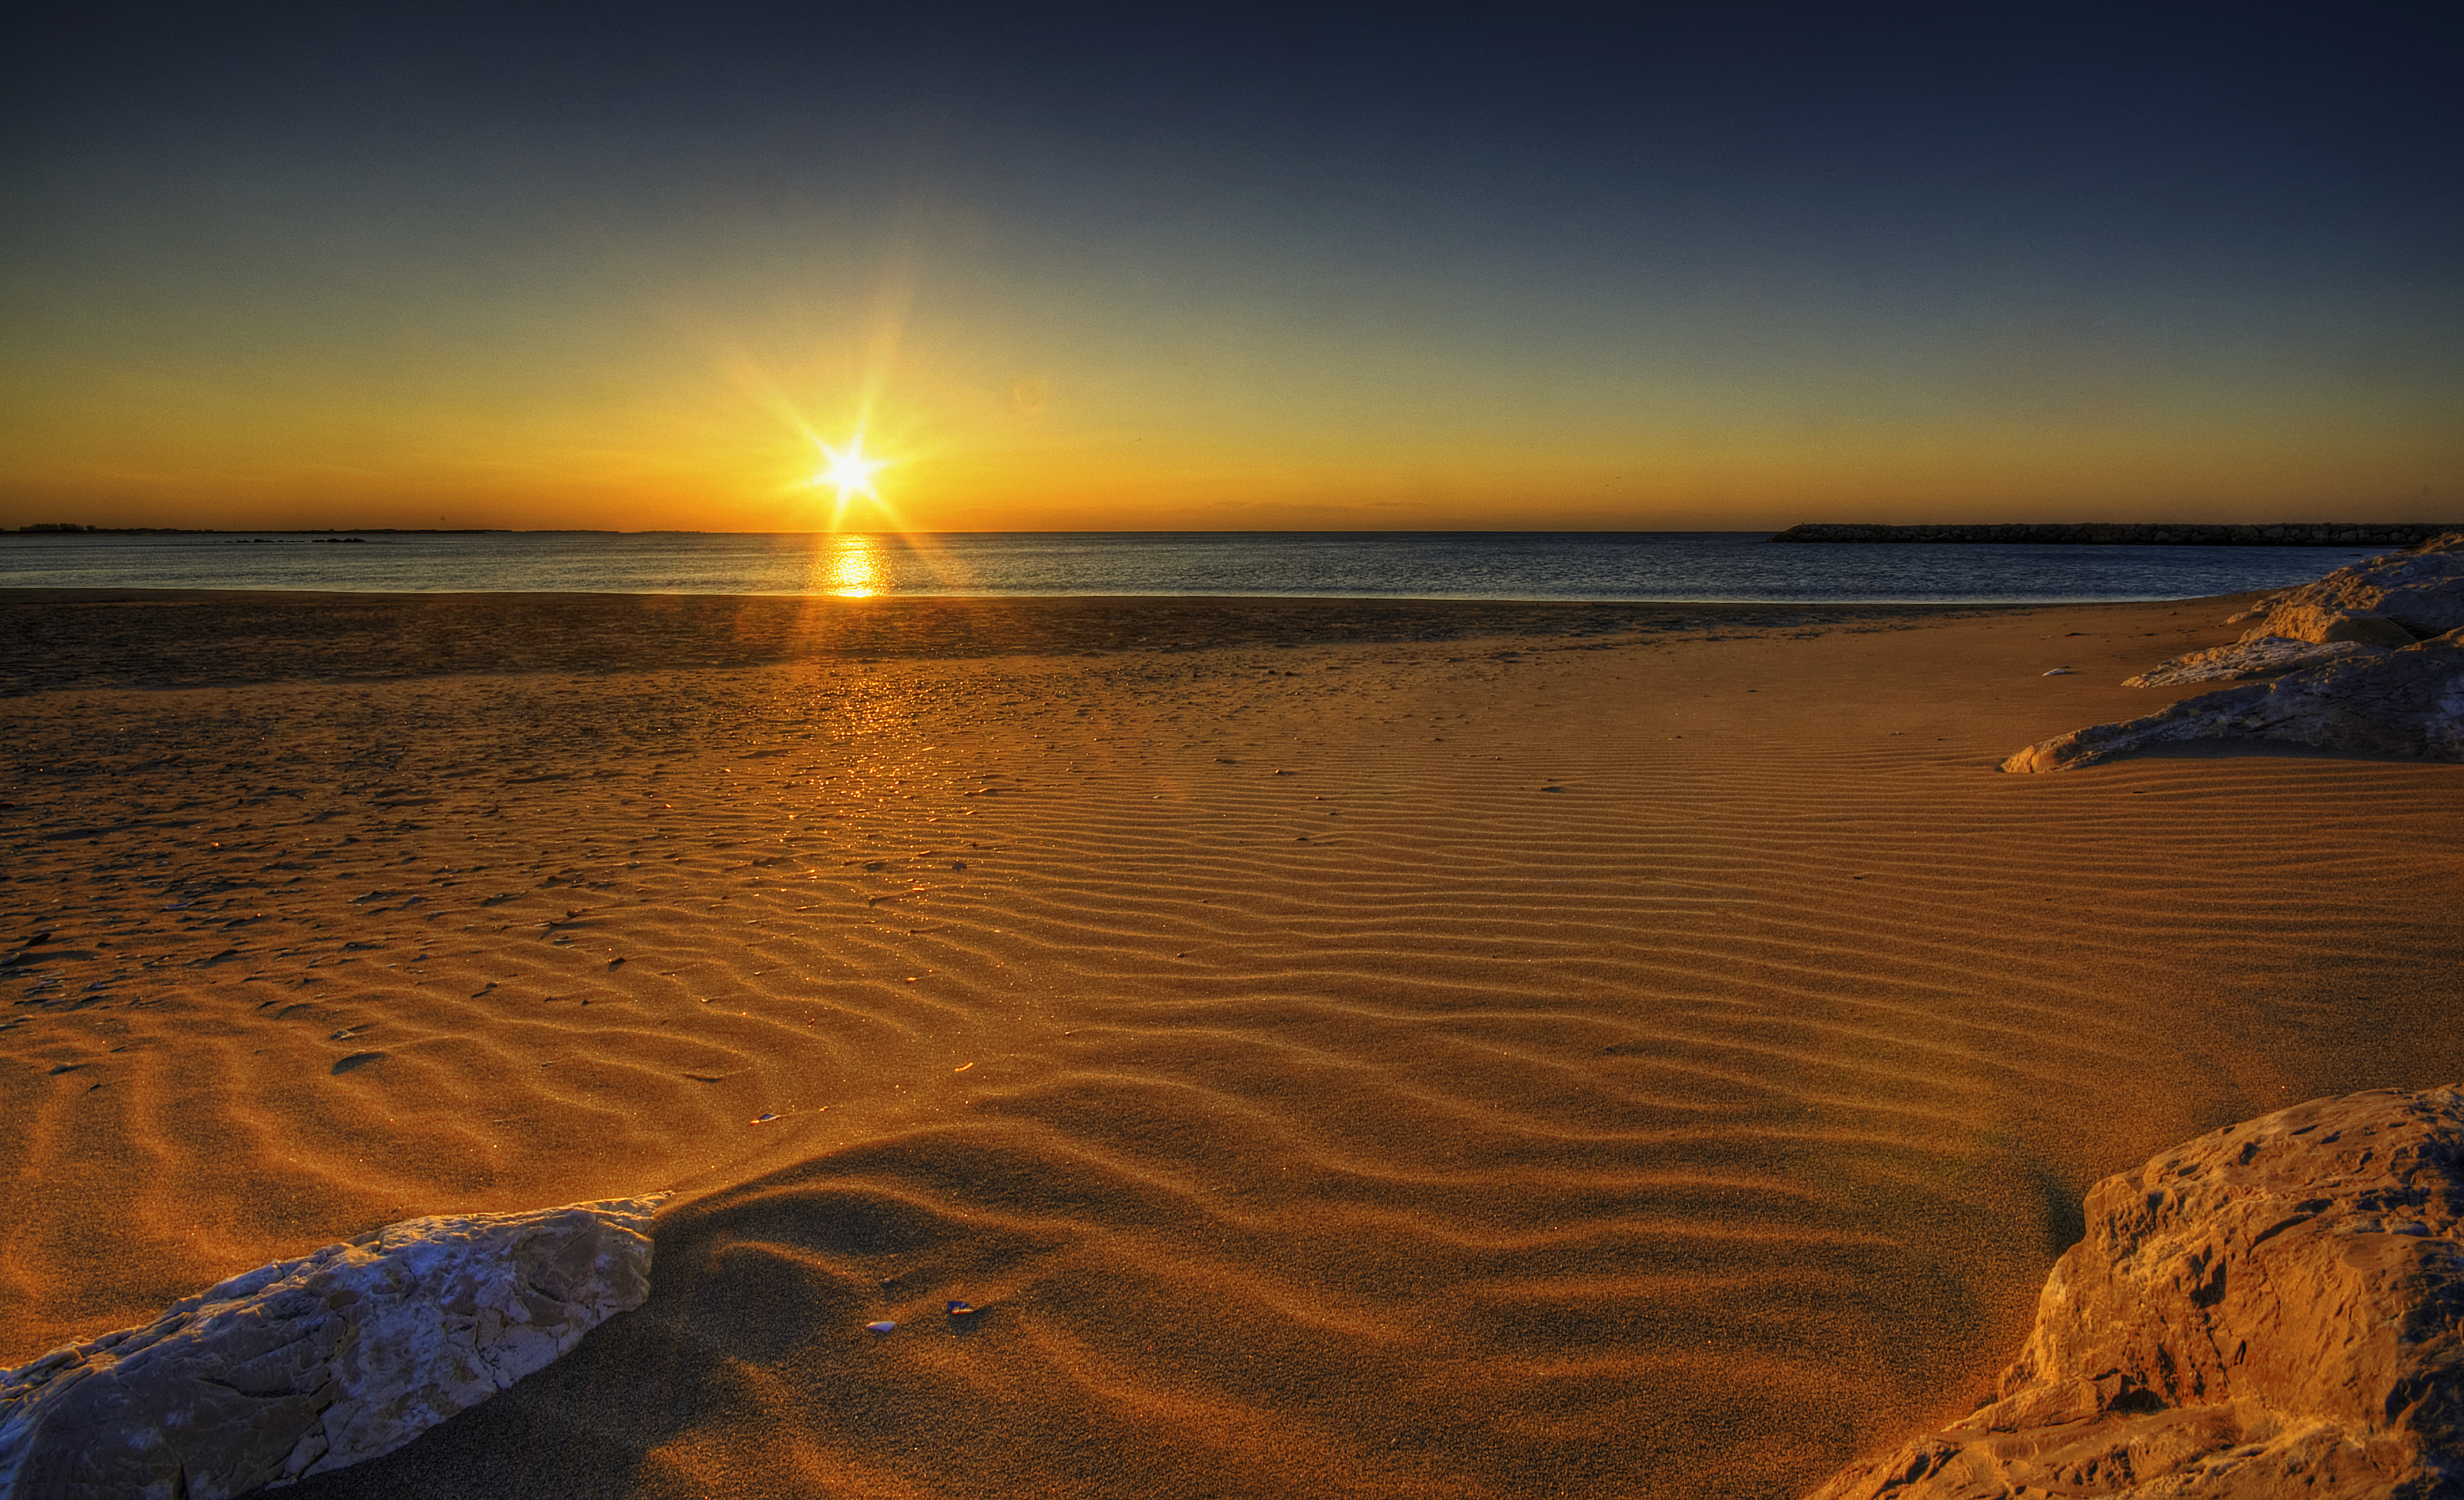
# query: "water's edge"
1689,567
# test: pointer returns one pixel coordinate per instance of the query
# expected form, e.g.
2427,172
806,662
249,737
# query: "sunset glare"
1147,271
1321,752
848,471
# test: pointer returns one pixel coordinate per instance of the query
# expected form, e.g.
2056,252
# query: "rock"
2274,1309
2326,533
2252,655
307,1365
2312,622
2421,588
2405,703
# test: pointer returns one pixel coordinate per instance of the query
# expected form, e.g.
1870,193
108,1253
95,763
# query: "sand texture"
2271,1310
309,1365
1395,1050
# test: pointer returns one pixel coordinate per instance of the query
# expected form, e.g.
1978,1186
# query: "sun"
848,471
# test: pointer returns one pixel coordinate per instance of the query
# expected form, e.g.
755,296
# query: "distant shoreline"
64,529
2129,534
2264,534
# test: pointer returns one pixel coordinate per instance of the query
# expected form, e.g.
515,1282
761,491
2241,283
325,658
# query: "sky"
1200,269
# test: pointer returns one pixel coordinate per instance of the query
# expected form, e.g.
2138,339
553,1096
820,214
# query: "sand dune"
1603,1058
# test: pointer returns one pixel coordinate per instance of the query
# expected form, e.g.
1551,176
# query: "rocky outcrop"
2352,671
2319,625
2276,1309
2401,703
308,1365
2178,533
2421,590
2267,656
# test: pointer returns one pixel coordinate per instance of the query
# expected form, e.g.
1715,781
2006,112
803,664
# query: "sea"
1691,566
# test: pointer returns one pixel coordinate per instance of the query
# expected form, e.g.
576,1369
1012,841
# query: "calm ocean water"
1486,565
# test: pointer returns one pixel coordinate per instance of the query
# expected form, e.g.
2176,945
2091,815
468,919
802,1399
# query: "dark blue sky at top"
2315,136
2220,220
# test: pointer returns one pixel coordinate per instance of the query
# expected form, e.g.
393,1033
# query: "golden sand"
1343,1050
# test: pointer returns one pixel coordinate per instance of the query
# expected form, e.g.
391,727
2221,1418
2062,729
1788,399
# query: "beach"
1342,1047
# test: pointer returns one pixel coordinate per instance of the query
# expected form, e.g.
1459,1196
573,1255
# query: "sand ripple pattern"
1355,1070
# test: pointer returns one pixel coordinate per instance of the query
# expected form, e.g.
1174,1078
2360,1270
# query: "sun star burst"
848,471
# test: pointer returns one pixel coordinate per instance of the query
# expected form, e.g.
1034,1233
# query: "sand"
1343,1048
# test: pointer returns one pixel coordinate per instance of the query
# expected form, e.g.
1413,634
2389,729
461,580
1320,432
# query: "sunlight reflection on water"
848,566
1663,565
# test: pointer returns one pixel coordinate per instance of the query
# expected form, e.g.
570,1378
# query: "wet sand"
1345,1049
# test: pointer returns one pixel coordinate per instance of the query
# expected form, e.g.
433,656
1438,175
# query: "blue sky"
1367,268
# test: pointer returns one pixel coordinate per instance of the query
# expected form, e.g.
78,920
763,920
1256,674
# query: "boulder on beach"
308,1365
2274,1309
2320,626
2402,702
2420,589
2352,670
2250,657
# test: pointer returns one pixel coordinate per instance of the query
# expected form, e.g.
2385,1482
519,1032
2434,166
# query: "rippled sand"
1627,1056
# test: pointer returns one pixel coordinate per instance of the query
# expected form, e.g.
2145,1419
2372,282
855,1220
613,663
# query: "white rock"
2403,703
307,1365
2250,657
2320,626
2421,588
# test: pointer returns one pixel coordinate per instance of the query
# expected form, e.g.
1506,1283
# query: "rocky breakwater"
2129,533
2274,1309
307,1365
2368,658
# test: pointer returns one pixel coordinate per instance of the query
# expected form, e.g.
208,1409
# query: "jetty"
2133,533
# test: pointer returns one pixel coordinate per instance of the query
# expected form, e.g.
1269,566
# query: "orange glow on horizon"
681,446
1058,327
